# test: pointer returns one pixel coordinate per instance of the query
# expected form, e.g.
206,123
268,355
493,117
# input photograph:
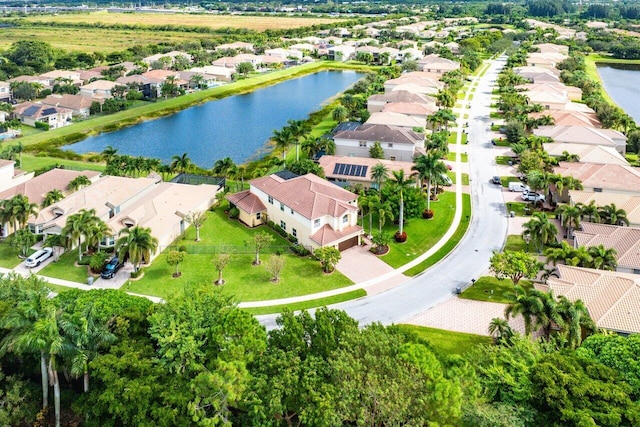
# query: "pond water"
622,84
237,126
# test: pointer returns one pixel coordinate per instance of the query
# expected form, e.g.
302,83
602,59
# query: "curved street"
486,233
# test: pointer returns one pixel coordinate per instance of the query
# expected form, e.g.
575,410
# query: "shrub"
182,248
136,274
292,238
85,260
43,126
300,250
234,213
97,261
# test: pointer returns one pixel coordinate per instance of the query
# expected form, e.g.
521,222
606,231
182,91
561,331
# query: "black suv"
111,268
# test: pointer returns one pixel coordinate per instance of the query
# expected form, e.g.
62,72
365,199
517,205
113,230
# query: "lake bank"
591,63
79,131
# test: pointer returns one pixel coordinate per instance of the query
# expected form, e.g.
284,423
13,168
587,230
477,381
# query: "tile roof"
36,188
396,119
72,102
625,240
587,153
246,201
37,110
412,108
628,202
582,135
606,176
100,85
328,163
402,96
309,195
612,298
327,235
569,118
382,133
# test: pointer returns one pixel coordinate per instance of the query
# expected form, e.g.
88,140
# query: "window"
283,225
345,219
390,145
270,199
282,207
597,190
636,271
392,158
316,223
258,215
363,144
294,233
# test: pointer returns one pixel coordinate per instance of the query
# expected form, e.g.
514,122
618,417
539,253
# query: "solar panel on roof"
342,168
364,171
335,168
348,169
31,110
48,111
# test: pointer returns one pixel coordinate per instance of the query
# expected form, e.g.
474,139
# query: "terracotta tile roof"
247,201
605,176
582,135
402,96
411,108
36,188
382,133
628,202
587,153
569,118
625,240
612,298
427,80
327,235
395,119
100,85
36,110
309,195
72,102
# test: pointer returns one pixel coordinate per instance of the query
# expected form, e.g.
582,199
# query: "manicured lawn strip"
300,276
8,255
447,342
58,137
451,156
518,208
305,305
481,289
32,163
421,233
515,242
453,137
504,160
501,142
65,268
505,180
451,243
58,289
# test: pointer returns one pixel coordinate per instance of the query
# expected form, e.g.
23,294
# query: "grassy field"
65,268
300,276
518,208
515,242
32,163
305,305
447,342
8,254
488,288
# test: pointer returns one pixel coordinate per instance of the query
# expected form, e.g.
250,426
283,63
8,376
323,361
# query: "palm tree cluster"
136,244
542,310
290,135
84,227
34,325
598,257
17,211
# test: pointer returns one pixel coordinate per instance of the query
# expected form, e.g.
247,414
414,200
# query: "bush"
43,126
97,261
280,230
300,250
182,248
234,213
292,238
86,260
136,274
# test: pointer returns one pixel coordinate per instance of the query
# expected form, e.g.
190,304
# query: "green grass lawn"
632,158
518,208
300,276
305,305
421,233
451,156
488,288
504,160
453,137
8,254
451,243
515,242
65,268
495,115
507,179
501,142
32,163
447,342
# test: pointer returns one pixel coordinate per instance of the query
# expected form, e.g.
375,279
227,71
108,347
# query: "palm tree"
526,303
96,231
372,202
340,114
401,182
138,244
379,174
52,197
610,214
569,157
23,209
78,227
223,167
500,329
549,313
181,164
540,230
7,216
429,168
383,208
569,217
108,153
283,139
590,211
603,258
575,319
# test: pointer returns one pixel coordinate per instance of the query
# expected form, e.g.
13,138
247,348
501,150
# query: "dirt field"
258,23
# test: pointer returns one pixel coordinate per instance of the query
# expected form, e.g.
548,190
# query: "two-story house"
397,143
314,211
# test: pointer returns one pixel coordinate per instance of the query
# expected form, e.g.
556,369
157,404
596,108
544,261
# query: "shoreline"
67,135
591,64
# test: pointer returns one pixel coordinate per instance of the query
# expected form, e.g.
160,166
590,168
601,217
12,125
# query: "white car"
530,196
36,258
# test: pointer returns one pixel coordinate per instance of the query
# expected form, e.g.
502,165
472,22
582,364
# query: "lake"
620,81
238,126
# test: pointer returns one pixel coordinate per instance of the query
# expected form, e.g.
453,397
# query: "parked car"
36,258
111,268
496,180
518,186
530,196
445,180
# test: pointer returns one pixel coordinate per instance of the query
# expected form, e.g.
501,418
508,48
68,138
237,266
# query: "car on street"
111,268
36,258
496,180
530,196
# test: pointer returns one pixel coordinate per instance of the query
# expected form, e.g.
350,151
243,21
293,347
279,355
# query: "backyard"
246,282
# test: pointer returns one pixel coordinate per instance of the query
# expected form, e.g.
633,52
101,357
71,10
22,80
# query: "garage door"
348,243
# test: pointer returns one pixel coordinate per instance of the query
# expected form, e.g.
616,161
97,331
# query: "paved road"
487,231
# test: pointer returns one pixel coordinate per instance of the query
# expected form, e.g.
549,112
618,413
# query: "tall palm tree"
53,196
96,231
223,166
526,303
540,230
283,139
138,244
549,314
401,183
379,174
77,228
610,214
383,208
500,329
181,164
7,215
569,218
23,209
590,211
429,168
575,320
603,258
108,153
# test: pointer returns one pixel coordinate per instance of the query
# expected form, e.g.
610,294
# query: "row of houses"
612,297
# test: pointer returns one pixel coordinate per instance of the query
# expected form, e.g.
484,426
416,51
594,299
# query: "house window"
258,215
345,219
597,190
363,144
392,157
282,207
283,225
294,233
270,199
636,271
316,222
390,145
291,211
